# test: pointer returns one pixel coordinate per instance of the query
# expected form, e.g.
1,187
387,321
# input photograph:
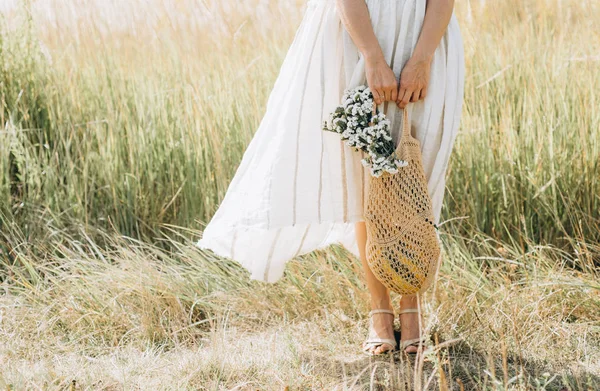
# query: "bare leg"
409,322
383,324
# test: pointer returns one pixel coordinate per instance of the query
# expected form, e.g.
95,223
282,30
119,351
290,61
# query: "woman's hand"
414,80
415,75
381,80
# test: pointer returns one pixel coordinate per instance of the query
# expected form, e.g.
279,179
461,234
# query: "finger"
381,96
401,92
376,97
405,98
415,96
394,96
423,93
390,93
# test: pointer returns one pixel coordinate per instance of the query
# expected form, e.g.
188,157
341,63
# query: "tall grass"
122,125
133,128
526,165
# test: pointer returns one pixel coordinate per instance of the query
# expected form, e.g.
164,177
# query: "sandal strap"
380,310
380,341
413,342
408,310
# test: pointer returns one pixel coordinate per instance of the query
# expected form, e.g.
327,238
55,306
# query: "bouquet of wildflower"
365,130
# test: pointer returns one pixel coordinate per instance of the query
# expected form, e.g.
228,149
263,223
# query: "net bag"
402,245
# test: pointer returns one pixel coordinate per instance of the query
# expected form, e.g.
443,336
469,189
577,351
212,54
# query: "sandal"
376,341
418,342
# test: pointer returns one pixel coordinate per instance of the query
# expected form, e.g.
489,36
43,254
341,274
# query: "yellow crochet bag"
402,243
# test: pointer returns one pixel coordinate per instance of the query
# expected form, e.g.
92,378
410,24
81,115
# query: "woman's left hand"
414,80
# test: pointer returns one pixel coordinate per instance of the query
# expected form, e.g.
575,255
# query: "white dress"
299,188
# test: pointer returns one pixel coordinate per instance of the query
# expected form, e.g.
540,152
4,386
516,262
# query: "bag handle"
405,124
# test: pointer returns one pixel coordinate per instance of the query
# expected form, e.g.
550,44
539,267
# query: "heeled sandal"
376,341
417,342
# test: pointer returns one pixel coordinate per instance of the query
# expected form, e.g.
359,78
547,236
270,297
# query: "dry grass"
114,127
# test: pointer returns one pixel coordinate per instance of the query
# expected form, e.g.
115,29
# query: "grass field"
122,125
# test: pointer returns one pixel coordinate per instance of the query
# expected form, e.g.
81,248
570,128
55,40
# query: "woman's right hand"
381,79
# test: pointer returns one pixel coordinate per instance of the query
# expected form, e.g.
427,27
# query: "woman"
299,188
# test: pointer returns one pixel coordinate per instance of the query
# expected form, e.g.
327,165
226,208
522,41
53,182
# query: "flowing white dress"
299,188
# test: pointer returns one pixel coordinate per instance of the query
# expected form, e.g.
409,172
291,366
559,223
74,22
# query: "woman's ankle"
408,301
381,302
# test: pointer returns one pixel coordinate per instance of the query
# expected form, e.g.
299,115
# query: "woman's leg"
409,322
383,324
380,298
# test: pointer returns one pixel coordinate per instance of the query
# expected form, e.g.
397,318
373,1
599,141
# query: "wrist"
422,56
373,55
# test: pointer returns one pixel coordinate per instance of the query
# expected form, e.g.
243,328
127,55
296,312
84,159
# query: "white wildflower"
362,130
